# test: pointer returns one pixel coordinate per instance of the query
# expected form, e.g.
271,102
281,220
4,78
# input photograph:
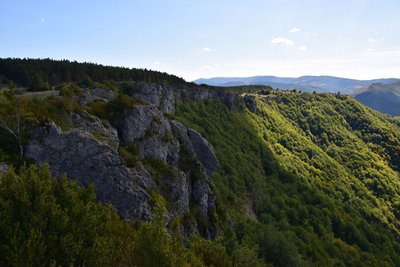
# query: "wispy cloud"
293,30
371,40
303,48
42,20
159,63
205,49
208,68
281,41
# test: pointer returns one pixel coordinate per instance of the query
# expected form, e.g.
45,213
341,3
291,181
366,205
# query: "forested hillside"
320,170
174,174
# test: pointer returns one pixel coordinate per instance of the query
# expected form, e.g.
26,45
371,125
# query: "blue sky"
193,39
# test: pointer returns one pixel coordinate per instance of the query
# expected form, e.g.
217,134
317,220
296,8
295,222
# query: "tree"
38,84
50,222
15,118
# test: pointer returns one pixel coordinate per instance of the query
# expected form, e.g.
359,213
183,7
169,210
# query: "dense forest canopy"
30,72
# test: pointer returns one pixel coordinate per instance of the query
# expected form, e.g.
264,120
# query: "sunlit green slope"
319,171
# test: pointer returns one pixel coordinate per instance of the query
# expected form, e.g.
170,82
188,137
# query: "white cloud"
371,40
295,30
281,41
206,49
159,63
208,68
303,48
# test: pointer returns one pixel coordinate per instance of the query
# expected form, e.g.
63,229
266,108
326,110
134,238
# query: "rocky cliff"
169,158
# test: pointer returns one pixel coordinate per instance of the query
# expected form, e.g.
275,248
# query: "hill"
178,174
382,97
319,84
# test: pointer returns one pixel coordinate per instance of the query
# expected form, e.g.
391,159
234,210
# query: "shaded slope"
311,193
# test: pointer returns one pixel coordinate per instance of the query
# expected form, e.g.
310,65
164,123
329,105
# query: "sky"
201,39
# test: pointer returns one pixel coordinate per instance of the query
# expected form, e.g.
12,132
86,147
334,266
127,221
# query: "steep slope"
382,97
330,187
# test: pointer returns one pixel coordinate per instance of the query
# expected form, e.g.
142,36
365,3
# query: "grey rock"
146,126
104,132
204,152
177,191
196,144
143,177
251,103
80,156
89,96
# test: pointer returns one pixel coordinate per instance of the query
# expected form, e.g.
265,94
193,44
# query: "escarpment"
141,153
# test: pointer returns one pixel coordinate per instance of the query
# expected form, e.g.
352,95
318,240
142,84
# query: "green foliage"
129,154
113,110
16,118
38,84
68,90
57,108
48,222
53,72
310,198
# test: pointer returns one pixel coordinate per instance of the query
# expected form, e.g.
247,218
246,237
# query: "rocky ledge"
89,153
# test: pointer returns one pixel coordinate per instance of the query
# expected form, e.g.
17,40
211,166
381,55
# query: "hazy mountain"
382,97
304,83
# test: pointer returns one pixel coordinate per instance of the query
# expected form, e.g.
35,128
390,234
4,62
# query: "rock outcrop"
82,157
165,97
146,126
251,103
101,130
88,96
172,159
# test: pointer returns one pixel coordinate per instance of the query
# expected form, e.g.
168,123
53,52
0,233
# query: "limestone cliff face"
89,153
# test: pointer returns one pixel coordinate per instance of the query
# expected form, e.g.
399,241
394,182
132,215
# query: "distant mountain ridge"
382,97
322,84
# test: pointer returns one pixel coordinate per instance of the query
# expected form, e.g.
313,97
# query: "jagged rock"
3,168
204,152
195,144
165,97
178,192
86,159
143,176
146,126
251,103
104,132
89,96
